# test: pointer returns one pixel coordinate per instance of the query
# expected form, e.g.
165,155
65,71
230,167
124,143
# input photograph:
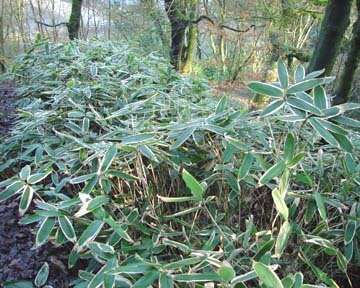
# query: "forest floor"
19,260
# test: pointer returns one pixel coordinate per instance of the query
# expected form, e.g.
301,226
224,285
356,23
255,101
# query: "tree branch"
207,18
51,25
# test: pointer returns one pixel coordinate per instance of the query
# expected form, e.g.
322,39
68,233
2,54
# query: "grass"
152,181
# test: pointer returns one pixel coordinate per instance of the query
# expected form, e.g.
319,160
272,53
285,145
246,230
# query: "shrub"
150,180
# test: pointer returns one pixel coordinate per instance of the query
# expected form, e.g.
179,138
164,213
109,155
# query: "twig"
51,25
204,17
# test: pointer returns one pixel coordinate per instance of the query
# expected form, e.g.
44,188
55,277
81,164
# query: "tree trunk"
75,18
351,64
181,13
333,27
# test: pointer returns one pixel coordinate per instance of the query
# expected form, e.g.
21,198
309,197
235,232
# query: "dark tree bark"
351,64
333,27
73,25
181,14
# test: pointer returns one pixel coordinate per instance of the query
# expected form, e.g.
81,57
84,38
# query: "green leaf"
298,280
118,229
108,158
283,74
267,276
44,231
148,153
133,268
67,228
305,85
90,233
182,136
347,121
289,146
145,281
266,89
36,178
100,248
320,99
82,178
166,281
332,127
183,263
226,272
323,132
138,139
299,74
272,108
350,231
280,204
283,238
26,199
197,277
195,187
320,205
341,261
302,105
25,172
243,278
344,142
263,249
12,189
222,104
98,279
314,74
42,275
275,171
245,166
18,284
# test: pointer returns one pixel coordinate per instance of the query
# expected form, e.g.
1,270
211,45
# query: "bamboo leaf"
26,199
275,171
272,108
283,238
42,275
107,159
280,204
283,74
145,281
267,275
12,189
299,74
303,105
90,233
320,99
195,187
320,205
266,89
44,231
67,228
166,281
323,132
305,85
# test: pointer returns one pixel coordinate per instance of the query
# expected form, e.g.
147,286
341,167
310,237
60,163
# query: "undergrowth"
151,181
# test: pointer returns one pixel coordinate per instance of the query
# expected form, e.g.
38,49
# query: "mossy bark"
2,45
333,27
351,64
181,14
75,19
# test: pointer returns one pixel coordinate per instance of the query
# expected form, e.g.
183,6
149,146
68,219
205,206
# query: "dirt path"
19,260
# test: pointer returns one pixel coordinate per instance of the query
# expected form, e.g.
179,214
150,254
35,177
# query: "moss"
75,18
351,64
333,27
